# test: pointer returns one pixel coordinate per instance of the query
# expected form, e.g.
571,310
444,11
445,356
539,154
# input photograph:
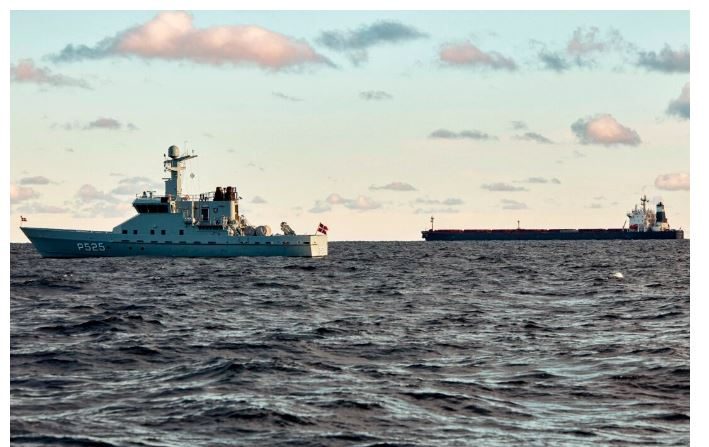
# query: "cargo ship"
643,224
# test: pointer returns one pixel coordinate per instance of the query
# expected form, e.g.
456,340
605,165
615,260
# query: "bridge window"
152,231
182,232
151,207
125,231
135,231
162,232
205,214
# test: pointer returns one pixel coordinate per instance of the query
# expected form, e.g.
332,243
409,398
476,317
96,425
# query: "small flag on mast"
23,219
322,228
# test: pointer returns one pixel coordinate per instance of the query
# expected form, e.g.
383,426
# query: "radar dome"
173,151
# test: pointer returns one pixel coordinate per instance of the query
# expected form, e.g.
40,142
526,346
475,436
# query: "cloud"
518,125
508,204
38,180
533,136
89,193
451,201
673,182
680,106
394,186
666,60
38,208
172,36
360,203
604,129
26,72
467,54
335,199
356,42
553,61
103,123
286,97
464,134
19,194
258,200
499,186
135,185
374,95
320,207
541,180
102,209
585,41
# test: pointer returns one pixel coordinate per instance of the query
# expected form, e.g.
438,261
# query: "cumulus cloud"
673,182
534,136
553,61
464,134
467,54
394,186
360,203
320,207
508,204
135,185
104,123
88,193
258,200
374,95
582,48
286,97
604,129
38,180
499,186
680,106
666,60
172,36
356,42
102,209
39,208
25,71
21,193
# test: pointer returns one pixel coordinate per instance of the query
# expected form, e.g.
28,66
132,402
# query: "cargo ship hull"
548,235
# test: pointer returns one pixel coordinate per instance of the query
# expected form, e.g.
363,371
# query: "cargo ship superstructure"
176,224
643,223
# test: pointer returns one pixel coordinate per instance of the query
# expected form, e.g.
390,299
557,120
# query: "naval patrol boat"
176,224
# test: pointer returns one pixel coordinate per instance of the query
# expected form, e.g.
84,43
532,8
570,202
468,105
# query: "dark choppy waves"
378,344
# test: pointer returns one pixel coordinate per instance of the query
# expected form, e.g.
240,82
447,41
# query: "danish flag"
322,228
24,219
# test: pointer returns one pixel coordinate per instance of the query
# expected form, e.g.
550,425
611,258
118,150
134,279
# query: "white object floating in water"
617,275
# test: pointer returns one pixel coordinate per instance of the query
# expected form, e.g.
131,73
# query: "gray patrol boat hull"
58,243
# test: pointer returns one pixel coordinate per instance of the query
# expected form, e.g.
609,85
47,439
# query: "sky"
369,122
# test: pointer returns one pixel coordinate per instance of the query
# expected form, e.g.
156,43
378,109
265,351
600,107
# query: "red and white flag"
23,219
322,228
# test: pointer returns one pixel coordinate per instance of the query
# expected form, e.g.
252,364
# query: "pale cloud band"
673,182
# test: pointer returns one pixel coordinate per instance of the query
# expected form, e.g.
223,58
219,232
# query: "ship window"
182,232
135,231
152,231
162,231
125,231
212,243
196,242
152,208
205,214
168,242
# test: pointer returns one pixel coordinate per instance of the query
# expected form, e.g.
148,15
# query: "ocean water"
396,343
